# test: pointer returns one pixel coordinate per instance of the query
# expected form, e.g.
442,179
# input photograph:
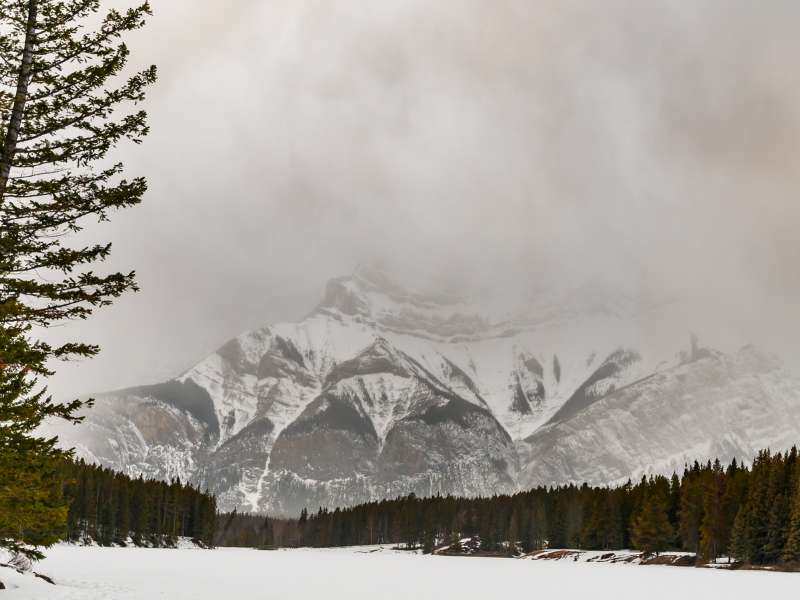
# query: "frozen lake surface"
366,574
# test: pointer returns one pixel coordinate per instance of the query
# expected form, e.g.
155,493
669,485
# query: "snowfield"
365,574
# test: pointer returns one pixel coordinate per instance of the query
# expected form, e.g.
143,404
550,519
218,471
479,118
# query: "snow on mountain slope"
161,431
384,425
380,391
711,405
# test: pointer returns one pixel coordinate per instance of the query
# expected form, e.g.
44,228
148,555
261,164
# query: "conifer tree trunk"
20,98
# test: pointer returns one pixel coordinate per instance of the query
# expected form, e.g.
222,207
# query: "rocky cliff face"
712,405
380,392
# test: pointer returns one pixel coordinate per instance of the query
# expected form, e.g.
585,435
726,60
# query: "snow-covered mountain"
709,405
381,391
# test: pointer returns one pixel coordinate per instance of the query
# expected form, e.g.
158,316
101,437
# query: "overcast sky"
475,142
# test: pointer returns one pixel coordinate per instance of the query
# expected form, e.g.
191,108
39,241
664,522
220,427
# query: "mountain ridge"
379,391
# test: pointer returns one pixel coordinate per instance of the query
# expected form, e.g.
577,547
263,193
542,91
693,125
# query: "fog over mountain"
381,391
488,149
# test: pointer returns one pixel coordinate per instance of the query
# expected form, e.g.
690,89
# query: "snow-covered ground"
365,573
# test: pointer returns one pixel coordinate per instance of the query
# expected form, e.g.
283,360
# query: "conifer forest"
110,508
748,513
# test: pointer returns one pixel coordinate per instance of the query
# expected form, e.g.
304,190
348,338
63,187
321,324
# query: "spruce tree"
428,541
741,546
777,529
777,513
267,536
759,503
652,531
791,552
713,533
691,510
594,534
32,509
513,532
61,113
124,528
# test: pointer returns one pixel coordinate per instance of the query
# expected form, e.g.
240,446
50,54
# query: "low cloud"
650,146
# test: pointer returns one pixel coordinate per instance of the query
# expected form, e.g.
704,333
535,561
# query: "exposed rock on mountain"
713,405
380,392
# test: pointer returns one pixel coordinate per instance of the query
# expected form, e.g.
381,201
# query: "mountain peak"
376,278
372,296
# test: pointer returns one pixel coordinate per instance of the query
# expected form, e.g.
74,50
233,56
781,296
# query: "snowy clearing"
364,573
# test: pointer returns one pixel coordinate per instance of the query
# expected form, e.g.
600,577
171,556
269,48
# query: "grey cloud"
483,144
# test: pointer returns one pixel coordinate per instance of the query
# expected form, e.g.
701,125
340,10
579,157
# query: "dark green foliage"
428,541
32,509
751,514
762,530
791,552
108,507
691,509
64,105
715,527
651,531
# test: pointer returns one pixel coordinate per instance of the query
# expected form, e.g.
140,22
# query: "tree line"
110,508
750,513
